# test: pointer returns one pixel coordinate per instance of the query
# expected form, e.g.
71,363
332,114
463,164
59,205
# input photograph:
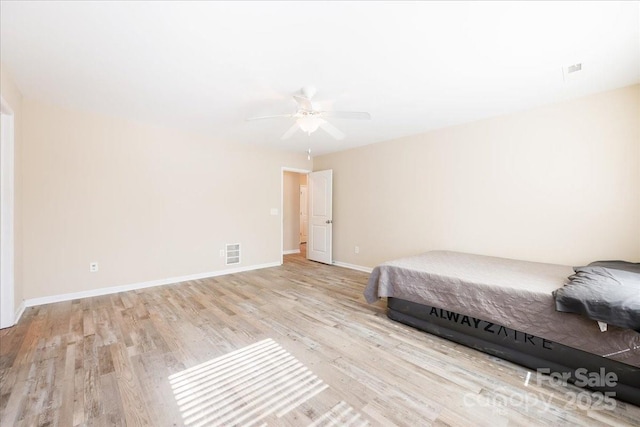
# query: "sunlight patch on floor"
340,415
244,387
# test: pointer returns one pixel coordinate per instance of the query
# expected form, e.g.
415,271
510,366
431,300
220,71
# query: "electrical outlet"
356,249
221,253
93,267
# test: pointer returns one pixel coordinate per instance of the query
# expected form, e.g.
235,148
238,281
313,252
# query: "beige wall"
557,184
291,211
146,203
13,97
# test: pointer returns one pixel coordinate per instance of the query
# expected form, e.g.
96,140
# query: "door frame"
282,171
7,166
306,190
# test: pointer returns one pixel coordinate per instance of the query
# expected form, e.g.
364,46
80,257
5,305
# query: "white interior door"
304,214
320,188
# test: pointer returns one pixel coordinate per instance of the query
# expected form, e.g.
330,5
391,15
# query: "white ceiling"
415,66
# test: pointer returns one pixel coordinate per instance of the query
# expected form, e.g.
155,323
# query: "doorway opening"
294,212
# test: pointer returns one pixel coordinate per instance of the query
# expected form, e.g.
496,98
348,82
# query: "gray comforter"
516,294
608,295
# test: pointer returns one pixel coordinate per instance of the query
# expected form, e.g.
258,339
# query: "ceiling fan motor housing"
308,91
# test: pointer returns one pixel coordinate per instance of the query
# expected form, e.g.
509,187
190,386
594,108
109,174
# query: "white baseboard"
353,266
31,302
19,311
291,251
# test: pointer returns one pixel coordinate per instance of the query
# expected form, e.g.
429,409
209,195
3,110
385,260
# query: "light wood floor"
293,345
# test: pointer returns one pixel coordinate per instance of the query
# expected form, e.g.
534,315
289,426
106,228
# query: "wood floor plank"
65,412
135,411
109,360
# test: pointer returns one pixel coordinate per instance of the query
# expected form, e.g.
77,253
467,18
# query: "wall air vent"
233,254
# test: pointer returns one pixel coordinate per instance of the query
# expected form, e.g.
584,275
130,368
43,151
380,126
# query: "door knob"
329,221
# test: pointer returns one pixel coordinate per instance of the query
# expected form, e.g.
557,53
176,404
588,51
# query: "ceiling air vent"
573,68
571,72
233,253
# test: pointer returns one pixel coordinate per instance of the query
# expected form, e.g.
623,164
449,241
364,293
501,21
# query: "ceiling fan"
309,117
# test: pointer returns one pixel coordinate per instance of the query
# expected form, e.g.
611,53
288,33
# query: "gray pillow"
604,294
633,267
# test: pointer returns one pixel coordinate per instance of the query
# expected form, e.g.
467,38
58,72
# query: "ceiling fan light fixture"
309,124
309,117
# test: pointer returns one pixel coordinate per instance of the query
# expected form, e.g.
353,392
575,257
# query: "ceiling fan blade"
289,133
361,115
303,102
271,117
331,129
